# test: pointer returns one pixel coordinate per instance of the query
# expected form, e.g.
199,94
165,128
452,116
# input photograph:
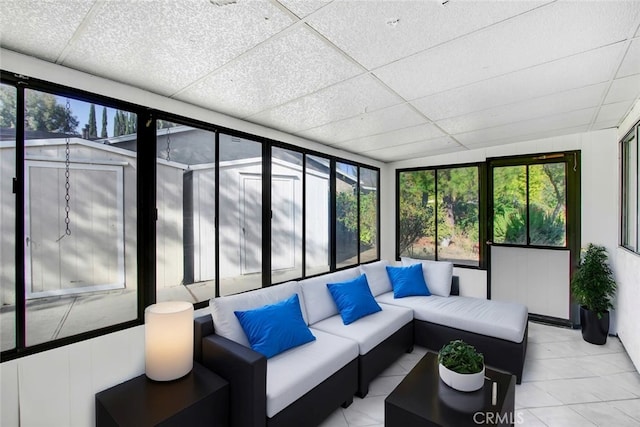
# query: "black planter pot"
594,330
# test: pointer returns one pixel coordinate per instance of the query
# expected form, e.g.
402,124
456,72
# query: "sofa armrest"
246,372
455,285
202,327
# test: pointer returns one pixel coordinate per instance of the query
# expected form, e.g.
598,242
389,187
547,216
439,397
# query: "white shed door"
283,223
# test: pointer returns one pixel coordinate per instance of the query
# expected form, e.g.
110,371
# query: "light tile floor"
567,382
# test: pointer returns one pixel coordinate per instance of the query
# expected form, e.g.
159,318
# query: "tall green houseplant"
593,287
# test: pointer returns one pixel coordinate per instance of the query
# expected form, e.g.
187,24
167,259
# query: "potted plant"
593,287
460,366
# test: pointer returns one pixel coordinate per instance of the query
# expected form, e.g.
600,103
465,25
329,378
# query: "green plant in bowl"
461,357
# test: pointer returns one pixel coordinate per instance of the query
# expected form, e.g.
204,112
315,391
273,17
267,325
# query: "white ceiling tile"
611,112
343,100
606,125
376,33
623,89
631,62
376,122
545,34
165,45
302,8
539,134
40,28
575,71
575,99
282,69
529,128
415,149
393,138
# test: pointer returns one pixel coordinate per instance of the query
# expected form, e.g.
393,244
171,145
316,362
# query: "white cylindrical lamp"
168,340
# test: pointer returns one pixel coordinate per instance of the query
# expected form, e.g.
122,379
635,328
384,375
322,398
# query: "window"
185,200
630,193
286,214
79,223
72,163
368,215
8,120
240,221
438,214
346,180
529,204
317,215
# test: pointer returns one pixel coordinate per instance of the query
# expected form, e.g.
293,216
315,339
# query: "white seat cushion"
377,276
437,274
226,323
318,300
371,330
499,319
295,372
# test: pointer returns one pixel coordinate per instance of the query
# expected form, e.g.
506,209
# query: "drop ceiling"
389,80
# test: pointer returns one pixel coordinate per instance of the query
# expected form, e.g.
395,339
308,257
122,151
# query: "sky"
80,110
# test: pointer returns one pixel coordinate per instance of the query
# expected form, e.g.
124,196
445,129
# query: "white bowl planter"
461,382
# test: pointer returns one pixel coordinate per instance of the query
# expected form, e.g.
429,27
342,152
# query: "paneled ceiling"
390,80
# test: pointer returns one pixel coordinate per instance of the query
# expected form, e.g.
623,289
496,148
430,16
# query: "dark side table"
422,399
201,398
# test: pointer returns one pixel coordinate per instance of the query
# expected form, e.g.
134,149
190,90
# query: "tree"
103,132
93,127
43,113
7,107
116,124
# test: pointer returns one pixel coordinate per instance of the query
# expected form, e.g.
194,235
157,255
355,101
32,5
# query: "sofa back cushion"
437,274
225,322
377,277
317,300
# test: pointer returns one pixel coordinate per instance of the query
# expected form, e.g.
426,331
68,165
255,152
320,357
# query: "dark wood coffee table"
422,399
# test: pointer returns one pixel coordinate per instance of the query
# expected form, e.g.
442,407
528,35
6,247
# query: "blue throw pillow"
407,281
354,299
274,328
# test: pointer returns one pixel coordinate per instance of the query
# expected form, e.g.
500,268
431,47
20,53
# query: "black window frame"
631,137
481,212
147,214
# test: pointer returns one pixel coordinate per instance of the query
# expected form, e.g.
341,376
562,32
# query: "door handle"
489,242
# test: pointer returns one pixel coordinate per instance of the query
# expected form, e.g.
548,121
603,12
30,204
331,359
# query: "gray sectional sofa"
303,385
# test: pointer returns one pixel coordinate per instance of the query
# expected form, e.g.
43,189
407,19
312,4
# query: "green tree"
43,113
116,124
93,127
7,107
103,132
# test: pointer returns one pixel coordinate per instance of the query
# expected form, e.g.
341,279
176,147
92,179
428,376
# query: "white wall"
627,273
57,387
599,153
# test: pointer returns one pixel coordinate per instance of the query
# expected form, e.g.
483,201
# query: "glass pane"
417,226
185,199
630,195
240,214
510,205
458,221
547,204
368,215
346,215
7,217
317,215
286,215
80,222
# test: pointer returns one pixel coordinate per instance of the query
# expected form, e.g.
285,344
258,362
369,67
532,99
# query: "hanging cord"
168,145
67,164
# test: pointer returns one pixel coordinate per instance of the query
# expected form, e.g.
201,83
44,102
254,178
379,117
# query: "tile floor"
567,382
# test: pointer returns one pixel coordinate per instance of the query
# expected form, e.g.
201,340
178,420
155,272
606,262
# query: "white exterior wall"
628,278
